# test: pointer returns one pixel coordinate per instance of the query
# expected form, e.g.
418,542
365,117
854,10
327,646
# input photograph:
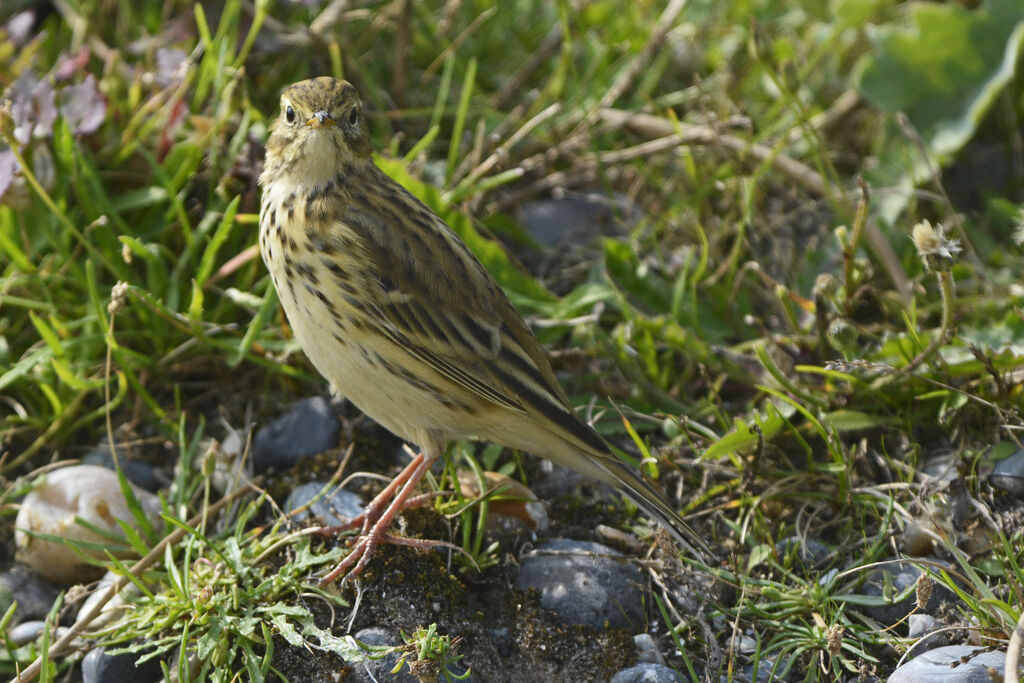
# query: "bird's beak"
320,120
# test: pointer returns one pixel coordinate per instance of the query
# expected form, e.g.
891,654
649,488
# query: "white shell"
86,491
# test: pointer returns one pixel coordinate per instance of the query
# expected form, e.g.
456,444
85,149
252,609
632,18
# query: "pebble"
952,664
98,666
647,650
647,673
942,468
373,670
113,608
515,502
35,595
308,427
555,480
920,628
86,491
27,631
896,578
808,555
583,583
137,472
380,669
578,218
1008,474
502,638
336,508
918,539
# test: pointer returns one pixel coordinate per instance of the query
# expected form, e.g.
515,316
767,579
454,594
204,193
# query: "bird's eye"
289,114
353,116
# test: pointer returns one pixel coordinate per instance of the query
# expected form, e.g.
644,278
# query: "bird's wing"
433,297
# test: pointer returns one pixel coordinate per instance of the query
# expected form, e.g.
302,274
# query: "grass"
762,331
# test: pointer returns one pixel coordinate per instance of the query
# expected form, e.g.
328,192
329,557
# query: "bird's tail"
604,466
654,505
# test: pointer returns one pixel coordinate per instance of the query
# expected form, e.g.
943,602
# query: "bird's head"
319,130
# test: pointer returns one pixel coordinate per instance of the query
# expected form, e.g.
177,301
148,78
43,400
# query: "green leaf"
227,221
208,642
743,436
139,199
852,420
759,555
345,647
943,70
287,630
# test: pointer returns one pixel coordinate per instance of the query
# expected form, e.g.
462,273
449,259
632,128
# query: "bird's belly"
364,366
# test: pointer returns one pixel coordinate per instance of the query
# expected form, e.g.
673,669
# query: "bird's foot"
366,519
376,520
366,545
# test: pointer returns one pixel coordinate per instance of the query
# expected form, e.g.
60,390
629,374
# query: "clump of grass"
429,654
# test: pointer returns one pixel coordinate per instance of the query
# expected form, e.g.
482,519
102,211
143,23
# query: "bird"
403,320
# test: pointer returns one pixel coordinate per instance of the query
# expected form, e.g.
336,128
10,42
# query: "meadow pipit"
402,319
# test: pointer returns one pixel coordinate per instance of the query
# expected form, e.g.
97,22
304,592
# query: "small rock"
647,673
85,491
583,583
894,579
502,638
555,480
578,218
100,667
918,540
136,471
1008,474
308,427
27,631
35,595
920,628
228,460
380,669
767,671
942,468
336,508
647,650
808,554
113,608
952,664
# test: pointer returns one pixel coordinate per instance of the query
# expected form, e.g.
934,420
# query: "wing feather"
461,325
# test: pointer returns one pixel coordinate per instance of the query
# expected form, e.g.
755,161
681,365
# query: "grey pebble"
373,670
27,631
808,554
584,583
308,427
920,628
577,218
336,508
34,594
1008,474
98,666
647,673
898,577
952,664
380,669
137,472
647,650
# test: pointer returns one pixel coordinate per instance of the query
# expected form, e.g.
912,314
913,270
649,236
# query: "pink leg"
376,520
376,506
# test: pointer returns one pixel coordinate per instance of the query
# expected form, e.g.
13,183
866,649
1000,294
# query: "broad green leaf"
943,70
